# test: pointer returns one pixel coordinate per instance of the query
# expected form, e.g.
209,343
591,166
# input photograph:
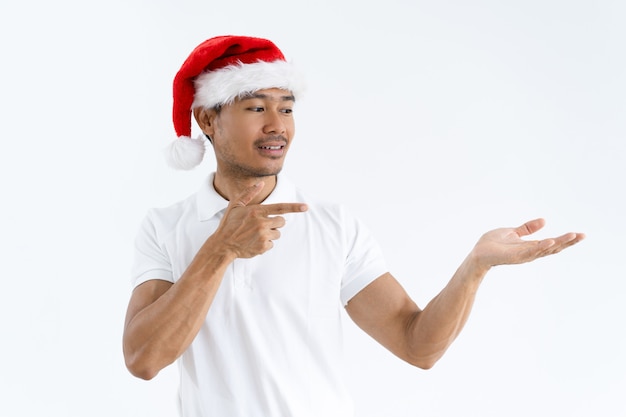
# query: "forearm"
385,311
432,330
157,334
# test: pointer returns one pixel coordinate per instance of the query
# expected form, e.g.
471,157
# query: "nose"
274,123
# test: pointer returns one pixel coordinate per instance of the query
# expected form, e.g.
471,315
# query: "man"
243,282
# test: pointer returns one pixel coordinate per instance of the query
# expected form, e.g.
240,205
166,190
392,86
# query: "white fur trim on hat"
222,86
185,153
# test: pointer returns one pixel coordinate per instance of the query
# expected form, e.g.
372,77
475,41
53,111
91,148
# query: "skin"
163,318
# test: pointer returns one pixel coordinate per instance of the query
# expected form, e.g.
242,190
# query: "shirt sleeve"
151,260
364,260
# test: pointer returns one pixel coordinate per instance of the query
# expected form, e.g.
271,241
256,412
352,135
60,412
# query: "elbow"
147,360
140,367
424,355
145,374
423,363
141,371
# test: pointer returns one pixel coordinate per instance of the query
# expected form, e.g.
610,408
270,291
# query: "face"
251,136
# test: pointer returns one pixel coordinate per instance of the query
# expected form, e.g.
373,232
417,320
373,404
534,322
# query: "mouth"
273,150
273,147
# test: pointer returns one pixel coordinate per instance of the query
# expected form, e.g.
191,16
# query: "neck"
230,188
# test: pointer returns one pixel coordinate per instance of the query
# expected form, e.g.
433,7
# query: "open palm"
506,246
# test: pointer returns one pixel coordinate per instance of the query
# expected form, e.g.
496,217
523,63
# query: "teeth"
271,147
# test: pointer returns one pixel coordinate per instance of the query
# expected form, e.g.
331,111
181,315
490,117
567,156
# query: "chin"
249,170
269,173
257,172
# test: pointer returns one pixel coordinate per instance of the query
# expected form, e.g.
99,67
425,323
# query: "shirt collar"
210,203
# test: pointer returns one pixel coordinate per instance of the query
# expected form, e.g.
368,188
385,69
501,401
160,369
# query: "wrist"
217,252
475,265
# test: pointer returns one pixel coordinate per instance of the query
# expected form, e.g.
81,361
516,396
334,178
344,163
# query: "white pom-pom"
185,153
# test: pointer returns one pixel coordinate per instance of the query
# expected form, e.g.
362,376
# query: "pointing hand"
248,230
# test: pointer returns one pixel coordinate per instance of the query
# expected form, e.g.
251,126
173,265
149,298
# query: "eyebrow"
249,96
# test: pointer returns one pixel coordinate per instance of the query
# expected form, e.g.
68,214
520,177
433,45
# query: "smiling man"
243,282
234,131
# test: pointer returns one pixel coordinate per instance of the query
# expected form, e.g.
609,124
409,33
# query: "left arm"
385,311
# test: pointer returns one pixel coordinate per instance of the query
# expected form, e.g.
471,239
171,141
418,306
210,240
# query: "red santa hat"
216,72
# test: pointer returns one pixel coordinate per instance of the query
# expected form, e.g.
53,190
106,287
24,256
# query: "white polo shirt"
271,344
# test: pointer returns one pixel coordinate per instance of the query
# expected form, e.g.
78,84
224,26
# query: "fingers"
553,246
247,229
561,242
565,241
273,234
506,246
267,209
275,222
247,195
282,208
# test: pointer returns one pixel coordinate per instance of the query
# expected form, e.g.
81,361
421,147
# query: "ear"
205,119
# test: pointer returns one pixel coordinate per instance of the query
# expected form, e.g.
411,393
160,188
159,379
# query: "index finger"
282,208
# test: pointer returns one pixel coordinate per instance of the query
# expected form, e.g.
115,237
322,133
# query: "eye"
287,111
257,109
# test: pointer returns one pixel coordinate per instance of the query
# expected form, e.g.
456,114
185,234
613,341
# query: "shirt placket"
242,274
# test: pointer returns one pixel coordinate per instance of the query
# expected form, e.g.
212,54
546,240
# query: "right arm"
163,318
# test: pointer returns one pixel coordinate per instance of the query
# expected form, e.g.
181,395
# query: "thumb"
246,196
530,227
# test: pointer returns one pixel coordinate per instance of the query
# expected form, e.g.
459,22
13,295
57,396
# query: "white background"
433,121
